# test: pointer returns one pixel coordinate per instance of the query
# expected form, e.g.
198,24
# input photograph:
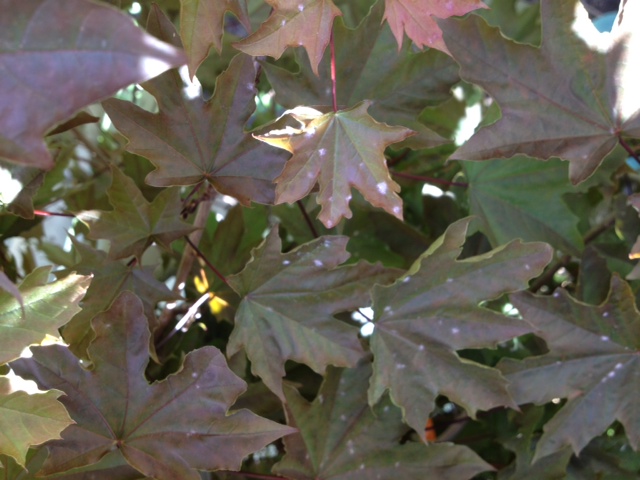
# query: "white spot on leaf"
382,187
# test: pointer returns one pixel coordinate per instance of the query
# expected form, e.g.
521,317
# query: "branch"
206,260
307,219
629,150
188,257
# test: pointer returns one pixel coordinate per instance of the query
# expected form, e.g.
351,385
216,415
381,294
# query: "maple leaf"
288,304
423,318
191,140
523,445
27,420
110,278
562,99
339,150
201,26
88,52
368,67
166,429
414,17
8,286
340,437
593,359
145,222
44,308
523,198
289,25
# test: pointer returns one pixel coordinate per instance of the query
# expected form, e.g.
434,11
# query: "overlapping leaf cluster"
280,252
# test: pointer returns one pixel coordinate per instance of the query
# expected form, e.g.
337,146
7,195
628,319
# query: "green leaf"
523,445
191,140
369,67
288,306
340,437
202,26
146,222
338,150
522,198
60,55
289,25
110,278
9,287
593,360
27,420
562,99
47,306
166,429
424,317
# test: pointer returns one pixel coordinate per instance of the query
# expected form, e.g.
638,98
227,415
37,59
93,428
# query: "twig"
188,257
307,219
629,150
206,260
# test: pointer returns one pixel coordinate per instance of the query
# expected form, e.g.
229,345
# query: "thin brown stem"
186,263
628,148
206,260
421,178
366,317
307,219
334,89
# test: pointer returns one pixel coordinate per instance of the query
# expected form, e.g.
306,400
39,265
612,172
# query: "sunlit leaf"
415,18
369,67
562,99
47,306
289,25
338,150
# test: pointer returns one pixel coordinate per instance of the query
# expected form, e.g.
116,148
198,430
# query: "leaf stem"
206,260
307,219
421,178
42,213
333,72
628,148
